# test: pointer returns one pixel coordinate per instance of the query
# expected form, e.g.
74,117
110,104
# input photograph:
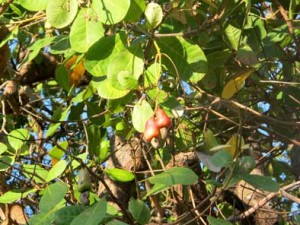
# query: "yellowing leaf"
234,85
75,70
153,14
235,144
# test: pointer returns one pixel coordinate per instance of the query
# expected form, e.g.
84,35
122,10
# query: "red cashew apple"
162,119
151,130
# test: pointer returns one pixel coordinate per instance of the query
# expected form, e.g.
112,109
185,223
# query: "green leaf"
94,109
142,111
17,138
75,164
120,175
152,75
62,77
9,36
60,13
57,116
3,148
246,164
209,140
233,35
222,159
261,182
153,14
12,196
54,194
85,31
42,218
39,172
94,140
135,11
189,59
104,148
217,221
156,189
93,215
37,5
116,222
174,106
125,69
109,47
175,175
106,90
83,95
139,211
56,170
64,216
62,45
110,11
57,151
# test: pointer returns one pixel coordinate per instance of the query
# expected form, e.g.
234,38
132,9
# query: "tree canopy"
149,112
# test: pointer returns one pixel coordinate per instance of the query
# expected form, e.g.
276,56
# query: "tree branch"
264,201
288,23
4,6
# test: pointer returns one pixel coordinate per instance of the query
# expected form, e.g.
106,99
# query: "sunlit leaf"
75,70
37,5
187,57
110,11
234,85
56,170
60,116
125,69
235,144
102,52
17,138
142,111
233,35
120,175
152,75
53,195
153,14
106,90
61,13
12,196
36,172
135,11
85,31
58,151
3,148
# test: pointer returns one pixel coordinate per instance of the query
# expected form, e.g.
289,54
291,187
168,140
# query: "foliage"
86,75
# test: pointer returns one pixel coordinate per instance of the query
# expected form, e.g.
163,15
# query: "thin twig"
289,24
263,201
